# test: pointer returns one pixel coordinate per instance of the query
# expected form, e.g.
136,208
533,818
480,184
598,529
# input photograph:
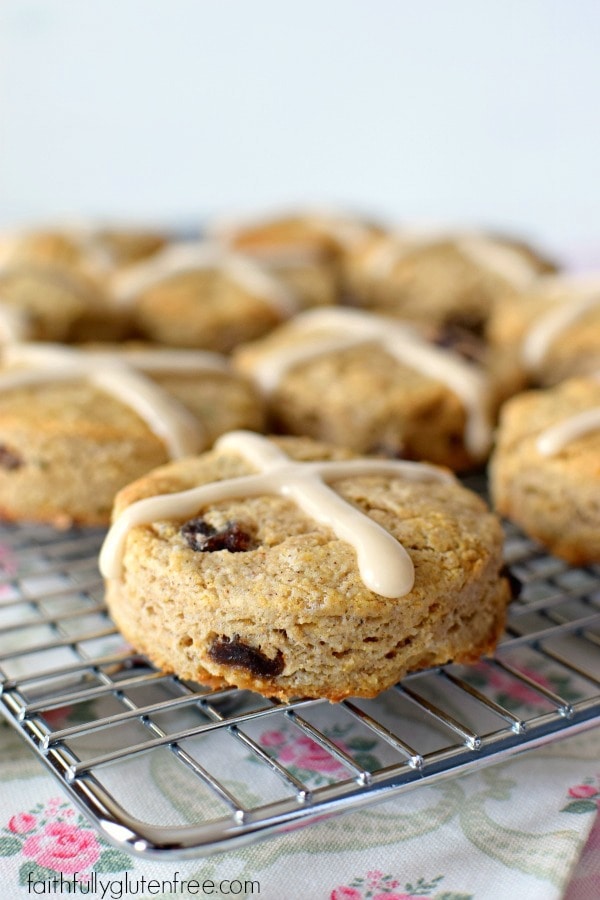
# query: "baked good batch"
77,426
446,277
374,385
334,558
551,331
202,295
292,568
545,471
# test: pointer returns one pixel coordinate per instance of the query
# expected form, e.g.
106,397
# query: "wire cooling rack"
164,767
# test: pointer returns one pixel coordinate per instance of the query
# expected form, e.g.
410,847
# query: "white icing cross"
385,566
350,328
554,439
119,375
182,258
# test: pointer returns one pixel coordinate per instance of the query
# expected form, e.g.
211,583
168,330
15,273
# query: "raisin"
456,338
200,535
233,652
515,584
9,459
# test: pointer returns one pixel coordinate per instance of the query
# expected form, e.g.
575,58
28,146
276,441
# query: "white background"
475,111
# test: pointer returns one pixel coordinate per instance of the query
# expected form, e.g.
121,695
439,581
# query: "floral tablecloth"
516,829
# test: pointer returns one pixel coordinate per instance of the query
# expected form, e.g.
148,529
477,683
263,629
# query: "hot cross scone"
76,426
294,569
545,470
372,384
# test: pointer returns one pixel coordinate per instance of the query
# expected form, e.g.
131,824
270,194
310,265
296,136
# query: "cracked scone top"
295,569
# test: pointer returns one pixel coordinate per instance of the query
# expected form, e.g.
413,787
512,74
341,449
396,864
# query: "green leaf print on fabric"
9,846
545,856
113,861
377,886
580,806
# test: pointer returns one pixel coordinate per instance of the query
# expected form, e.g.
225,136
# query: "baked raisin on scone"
439,277
202,295
77,426
372,384
551,331
291,568
545,470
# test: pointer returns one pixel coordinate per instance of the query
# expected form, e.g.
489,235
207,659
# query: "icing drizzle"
180,258
384,565
552,323
554,439
120,375
344,329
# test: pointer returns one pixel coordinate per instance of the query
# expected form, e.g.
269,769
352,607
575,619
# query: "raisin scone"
545,470
294,569
202,295
449,278
551,331
76,426
372,384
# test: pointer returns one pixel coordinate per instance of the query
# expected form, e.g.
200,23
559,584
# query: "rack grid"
168,768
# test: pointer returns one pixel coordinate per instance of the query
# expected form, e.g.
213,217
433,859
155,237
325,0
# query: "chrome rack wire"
167,768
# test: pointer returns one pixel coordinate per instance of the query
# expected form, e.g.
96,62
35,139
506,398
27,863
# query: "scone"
47,302
201,295
545,470
94,250
551,331
374,385
53,281
439,277
77,426
306,248
293,569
